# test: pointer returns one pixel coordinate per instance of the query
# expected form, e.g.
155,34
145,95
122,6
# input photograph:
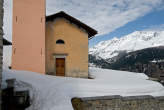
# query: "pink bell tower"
28,40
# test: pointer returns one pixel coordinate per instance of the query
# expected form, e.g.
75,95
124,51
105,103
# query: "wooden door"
60,67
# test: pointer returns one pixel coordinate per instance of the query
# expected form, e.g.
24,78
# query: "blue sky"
111,18
151,21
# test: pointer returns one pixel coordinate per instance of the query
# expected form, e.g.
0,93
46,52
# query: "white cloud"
103,15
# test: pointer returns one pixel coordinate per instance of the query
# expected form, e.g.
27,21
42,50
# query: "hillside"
140,51
143,56
149,61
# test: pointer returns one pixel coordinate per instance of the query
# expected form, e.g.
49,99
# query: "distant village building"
56,44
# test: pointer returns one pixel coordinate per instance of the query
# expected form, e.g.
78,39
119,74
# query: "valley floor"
55,93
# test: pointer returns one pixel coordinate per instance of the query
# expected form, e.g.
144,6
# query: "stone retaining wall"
119,103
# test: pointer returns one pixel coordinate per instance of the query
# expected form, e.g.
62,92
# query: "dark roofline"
6,42
91,31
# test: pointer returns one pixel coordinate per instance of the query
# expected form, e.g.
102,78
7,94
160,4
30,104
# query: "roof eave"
92,32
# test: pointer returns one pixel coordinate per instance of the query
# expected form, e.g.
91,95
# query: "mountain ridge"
135,41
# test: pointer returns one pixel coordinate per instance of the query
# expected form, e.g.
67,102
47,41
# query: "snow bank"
55,93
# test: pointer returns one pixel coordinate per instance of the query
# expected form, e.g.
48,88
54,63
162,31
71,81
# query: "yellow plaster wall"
76,47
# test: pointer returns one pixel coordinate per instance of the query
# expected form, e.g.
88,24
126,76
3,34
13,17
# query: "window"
59,41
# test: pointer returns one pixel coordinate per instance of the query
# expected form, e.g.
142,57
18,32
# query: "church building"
55,45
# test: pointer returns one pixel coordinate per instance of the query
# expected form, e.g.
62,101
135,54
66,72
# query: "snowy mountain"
135,41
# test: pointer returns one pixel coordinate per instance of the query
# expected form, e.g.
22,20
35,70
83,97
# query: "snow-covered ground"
55,93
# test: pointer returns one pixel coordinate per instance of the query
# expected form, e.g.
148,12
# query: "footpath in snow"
55,93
